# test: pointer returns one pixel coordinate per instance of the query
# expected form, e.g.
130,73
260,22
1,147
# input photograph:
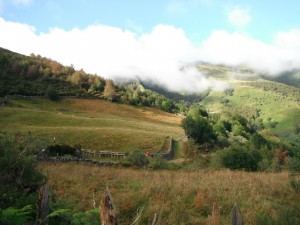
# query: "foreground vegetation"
179,197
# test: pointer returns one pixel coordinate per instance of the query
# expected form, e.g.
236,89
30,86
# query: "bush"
191,150
13,216
138,158
257,141
159,164
60,150
19,176
52,94
293,164
239,158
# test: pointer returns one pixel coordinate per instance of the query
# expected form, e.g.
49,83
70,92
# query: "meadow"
92,124
178,197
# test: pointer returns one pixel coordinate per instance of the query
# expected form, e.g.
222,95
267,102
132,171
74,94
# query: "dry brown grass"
143,113
179,197
93,124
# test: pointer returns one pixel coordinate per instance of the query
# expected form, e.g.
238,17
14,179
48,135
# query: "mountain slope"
92,124
271,105
33,75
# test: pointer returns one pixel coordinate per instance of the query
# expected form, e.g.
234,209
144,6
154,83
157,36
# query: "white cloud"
239,17
237,49
158,56
112,52
22,2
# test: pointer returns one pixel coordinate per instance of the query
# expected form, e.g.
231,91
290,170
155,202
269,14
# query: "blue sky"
154,39
198,18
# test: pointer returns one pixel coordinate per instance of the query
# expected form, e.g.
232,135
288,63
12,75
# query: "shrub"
52,94
257,141
54,150
13,216
138,158
191,150
19,176
293,164
159,164
240,158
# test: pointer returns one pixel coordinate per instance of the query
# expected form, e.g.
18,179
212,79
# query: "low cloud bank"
235,49
159,56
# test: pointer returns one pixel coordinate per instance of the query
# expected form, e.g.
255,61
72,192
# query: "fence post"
236,216
108,212
43,205
155,219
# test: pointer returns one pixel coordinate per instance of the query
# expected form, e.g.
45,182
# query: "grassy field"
179,197
93,124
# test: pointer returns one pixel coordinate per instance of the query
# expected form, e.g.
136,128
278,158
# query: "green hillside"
291,78
271,105
34,75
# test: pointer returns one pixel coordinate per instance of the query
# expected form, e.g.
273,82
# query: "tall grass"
179,197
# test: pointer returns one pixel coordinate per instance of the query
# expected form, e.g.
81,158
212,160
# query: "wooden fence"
166,155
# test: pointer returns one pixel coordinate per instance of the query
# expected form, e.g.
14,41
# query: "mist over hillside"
159,56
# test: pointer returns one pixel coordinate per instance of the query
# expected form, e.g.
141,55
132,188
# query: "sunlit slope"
94,124
276,104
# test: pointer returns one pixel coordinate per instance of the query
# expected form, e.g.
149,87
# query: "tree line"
36,75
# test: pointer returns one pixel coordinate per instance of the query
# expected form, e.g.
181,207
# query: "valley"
237,144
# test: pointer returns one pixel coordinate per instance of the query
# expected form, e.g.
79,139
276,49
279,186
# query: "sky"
155,39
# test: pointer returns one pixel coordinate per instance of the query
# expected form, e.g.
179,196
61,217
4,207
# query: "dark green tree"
257,141
238,158
52,94
199,129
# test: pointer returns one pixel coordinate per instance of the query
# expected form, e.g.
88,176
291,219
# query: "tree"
166,105
109,90
197,111
52,94
257,141
199,129
96,85
240,158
